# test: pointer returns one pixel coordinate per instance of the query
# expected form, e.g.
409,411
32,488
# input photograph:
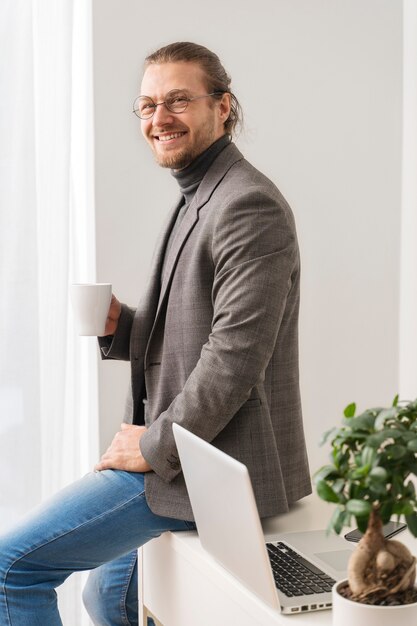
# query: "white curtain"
48,375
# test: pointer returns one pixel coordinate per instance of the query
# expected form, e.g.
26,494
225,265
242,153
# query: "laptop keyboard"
294,575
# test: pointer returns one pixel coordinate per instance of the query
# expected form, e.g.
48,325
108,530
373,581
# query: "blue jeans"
98,522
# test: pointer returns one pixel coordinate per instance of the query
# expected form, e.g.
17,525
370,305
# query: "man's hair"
217,79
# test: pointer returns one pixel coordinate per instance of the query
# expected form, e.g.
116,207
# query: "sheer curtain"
48,377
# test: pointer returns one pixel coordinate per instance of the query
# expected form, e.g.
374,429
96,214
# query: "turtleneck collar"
191,176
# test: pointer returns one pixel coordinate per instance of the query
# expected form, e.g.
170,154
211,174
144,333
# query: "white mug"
91,303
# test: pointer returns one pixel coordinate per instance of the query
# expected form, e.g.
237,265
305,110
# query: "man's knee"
9,555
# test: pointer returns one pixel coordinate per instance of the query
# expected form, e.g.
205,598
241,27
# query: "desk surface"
182,585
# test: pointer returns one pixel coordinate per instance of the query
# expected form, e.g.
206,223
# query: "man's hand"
124,451
113,316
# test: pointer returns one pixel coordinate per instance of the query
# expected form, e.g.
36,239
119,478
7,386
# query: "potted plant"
370,479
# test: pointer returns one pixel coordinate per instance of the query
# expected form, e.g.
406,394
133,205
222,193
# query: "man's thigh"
95,520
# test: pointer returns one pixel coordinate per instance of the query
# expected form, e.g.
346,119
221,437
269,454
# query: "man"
212,345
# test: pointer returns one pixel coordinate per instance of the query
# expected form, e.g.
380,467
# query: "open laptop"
295,572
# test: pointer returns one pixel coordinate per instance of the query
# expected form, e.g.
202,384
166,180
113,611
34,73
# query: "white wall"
320,82
408,265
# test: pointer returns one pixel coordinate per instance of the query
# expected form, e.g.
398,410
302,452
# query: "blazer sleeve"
117,346
255,257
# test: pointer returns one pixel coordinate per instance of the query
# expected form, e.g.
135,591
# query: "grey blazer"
213,344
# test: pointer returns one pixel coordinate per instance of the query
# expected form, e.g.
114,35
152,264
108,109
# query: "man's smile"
168,137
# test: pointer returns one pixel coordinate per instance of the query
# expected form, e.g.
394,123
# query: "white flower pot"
348,613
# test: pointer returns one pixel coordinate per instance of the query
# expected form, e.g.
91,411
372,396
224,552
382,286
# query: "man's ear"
225,105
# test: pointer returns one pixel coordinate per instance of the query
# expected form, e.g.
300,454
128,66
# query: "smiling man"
213,346
177,132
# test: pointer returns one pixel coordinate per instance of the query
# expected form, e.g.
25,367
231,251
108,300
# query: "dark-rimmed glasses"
175,101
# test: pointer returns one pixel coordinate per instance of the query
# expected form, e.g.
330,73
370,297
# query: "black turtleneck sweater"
191,176
189,179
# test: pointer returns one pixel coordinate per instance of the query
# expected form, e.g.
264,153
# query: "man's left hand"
124,451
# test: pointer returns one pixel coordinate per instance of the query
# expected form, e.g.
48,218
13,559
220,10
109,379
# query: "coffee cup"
91,303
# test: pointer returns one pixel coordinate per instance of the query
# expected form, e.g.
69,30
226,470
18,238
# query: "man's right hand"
113,316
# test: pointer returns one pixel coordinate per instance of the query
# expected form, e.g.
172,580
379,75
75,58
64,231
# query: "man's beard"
177,161
185,157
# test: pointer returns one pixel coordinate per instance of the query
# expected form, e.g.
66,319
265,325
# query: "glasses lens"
144,107
176,101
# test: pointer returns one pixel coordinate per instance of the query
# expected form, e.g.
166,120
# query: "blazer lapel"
187,224
216,172
211,180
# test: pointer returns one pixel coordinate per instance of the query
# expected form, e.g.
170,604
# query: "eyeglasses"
175,101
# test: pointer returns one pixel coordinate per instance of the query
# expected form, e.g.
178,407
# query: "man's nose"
162,115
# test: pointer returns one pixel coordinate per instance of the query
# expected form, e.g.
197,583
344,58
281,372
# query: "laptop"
295,572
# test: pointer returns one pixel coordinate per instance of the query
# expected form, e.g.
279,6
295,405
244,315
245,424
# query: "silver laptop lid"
225,512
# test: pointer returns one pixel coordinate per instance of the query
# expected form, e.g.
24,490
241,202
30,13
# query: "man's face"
178,138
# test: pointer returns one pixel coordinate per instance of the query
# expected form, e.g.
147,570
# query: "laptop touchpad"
337,559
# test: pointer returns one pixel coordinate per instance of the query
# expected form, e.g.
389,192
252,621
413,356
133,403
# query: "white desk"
182,585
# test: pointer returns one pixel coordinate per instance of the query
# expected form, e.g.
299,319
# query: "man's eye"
178,100
147,107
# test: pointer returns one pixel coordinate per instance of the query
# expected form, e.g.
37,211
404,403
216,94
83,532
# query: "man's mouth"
169,136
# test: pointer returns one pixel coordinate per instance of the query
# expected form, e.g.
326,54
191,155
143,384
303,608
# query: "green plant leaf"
359,508
395,401
398,488
326,435
410,489
357,491
361,422
412,445
325,472
368,455
326,492
385,415
378,474
412,523
362,523
375,440
338,485
409,405
350,410
395,451
341,460
385,511
359,472
403,508
378,489
407,436
394,433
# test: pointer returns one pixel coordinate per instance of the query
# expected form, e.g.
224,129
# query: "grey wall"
320,84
